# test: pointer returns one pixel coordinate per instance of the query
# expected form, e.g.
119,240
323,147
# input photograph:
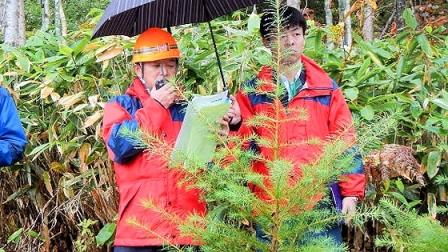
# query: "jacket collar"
138,90
315,77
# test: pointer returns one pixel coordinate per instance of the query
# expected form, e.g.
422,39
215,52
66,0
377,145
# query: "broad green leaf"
432,167
416,109
351,93
424,44
363,69
106,234
253,23
399,197
22,61
2,250
38,150
80,45
409,19
35,234
441,102
65,50
400,185
14,237
367,112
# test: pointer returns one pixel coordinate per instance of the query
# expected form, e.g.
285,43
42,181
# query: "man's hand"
234,114
224,126
164,95
349,208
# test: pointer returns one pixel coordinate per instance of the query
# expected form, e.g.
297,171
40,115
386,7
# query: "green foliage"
405,76
76,12
106,234
406,230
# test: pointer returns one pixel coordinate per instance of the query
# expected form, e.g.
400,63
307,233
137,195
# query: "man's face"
292,44
156,70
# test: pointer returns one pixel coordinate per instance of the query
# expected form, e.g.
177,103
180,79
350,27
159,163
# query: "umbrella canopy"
132,17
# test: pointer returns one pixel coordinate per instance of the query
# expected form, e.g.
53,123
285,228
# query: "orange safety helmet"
155,44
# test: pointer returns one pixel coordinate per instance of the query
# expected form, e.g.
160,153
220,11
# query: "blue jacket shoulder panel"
12,135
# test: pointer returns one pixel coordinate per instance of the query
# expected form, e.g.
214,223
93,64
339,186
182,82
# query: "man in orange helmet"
149,104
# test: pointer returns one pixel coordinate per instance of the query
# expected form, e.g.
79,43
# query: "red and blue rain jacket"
327,116
12,136
143,175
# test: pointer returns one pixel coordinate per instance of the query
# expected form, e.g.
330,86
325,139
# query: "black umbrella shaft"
207,13
217,56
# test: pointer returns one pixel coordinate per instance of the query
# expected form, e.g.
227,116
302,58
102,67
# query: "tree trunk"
21,23
400,5
59,18
294,3
11,22
45,4
344,8
367,28
2,15
328,20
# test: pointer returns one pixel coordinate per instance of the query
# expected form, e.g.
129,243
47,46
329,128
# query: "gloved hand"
349,208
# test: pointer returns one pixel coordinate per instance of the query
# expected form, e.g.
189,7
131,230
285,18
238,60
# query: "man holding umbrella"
143,175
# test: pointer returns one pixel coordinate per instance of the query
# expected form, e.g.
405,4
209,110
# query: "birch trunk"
367,28
21,37
328,20
400,5
45,4
344,8
59,19
11,22
2,15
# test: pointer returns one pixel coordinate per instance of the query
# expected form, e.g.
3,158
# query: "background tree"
2,14
344,16
14,18
400,5
60,21
367,28
45,5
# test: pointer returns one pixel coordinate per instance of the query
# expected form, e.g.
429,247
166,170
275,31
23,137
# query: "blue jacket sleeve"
12,135
123,148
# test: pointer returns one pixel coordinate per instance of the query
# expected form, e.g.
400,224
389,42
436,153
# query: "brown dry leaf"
68,101
57,167
11,74
109,54
47,182
91,120
55,96
84,152
45,92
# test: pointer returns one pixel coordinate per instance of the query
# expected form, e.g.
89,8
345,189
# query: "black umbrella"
132,17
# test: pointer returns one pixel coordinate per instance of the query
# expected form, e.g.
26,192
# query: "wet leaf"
106,234
432,167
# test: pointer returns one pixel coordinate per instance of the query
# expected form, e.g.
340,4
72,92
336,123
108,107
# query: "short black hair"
290,17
